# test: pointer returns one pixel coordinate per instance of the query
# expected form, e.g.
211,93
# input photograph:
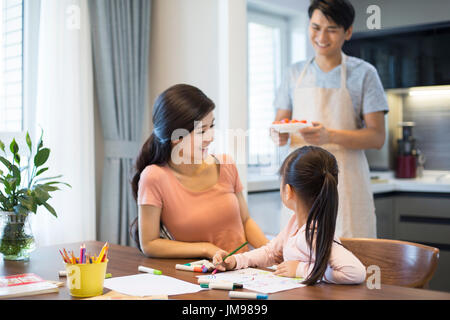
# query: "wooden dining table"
46,262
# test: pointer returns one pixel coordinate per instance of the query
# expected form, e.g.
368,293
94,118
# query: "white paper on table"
149,284
257,280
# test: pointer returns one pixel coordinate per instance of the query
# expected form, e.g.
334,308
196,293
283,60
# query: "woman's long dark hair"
178,107
312,172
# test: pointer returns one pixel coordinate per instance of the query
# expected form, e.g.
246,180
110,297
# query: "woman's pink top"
290,244
211,216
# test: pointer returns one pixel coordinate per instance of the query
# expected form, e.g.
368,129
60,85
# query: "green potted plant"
22,190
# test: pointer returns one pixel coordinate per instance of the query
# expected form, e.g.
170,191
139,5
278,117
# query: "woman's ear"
175,142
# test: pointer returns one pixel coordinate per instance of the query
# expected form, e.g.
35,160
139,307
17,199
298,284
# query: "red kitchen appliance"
406,160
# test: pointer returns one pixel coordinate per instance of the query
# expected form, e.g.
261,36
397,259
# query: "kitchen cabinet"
421,218
425,218
385,218
264,208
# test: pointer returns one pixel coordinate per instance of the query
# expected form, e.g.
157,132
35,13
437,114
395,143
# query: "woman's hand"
228,264
315,135
287,269
210,250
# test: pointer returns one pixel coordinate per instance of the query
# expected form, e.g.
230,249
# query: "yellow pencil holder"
86,280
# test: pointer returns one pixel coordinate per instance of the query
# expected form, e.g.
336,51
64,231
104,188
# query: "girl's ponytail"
320,227
154,151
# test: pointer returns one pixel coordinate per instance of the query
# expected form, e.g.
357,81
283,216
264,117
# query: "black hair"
339,11
176,108
312,172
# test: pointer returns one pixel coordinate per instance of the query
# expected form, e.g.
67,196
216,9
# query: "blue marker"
247,295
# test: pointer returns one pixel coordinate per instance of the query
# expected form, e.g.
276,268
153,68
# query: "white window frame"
31,10
282,23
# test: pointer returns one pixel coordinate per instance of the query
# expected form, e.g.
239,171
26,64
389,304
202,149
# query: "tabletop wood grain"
123,261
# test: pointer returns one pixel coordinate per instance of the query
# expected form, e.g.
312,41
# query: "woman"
345,100
190,202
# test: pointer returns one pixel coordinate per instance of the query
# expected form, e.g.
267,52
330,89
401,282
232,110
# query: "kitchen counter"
382,182
431,181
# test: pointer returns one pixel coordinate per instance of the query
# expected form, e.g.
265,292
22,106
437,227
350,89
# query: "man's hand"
280,139
315,135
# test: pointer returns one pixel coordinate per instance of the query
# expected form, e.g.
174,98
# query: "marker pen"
200,281
200,262
247,295
207,281
194,268
222,285
149,270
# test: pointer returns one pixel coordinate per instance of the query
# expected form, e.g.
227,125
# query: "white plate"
290,127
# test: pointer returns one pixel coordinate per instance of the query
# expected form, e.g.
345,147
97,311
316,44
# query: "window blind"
11,65
264,63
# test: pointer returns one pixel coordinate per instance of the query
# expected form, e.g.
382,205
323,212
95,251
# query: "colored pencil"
62,255
85,257
83,253
102,253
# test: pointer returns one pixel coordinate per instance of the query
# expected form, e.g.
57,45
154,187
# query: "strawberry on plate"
286,125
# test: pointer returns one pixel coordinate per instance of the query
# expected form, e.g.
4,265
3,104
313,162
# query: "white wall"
203,43
184,45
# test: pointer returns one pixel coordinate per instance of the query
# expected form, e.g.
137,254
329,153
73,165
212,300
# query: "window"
11,65
267,58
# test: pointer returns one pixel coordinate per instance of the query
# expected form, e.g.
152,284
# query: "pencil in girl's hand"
231,253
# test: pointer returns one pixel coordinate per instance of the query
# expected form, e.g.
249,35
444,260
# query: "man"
344,99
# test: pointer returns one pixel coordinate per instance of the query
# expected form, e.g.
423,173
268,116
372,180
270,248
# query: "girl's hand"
287,269
228,264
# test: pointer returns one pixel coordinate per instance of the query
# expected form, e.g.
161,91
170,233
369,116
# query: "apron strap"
343,71
300,78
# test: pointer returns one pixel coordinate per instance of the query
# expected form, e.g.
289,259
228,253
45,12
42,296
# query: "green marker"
222,285
149,270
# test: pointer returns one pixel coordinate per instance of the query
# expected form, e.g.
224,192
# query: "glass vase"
16,237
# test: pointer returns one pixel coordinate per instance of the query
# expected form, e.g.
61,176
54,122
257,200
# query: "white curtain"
65,111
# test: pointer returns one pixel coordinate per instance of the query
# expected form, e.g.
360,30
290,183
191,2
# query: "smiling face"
193,148
202,136
327,38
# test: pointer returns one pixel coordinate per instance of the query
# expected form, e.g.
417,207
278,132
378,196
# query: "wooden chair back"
401,263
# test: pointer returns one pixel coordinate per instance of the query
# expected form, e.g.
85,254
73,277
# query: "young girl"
307,246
